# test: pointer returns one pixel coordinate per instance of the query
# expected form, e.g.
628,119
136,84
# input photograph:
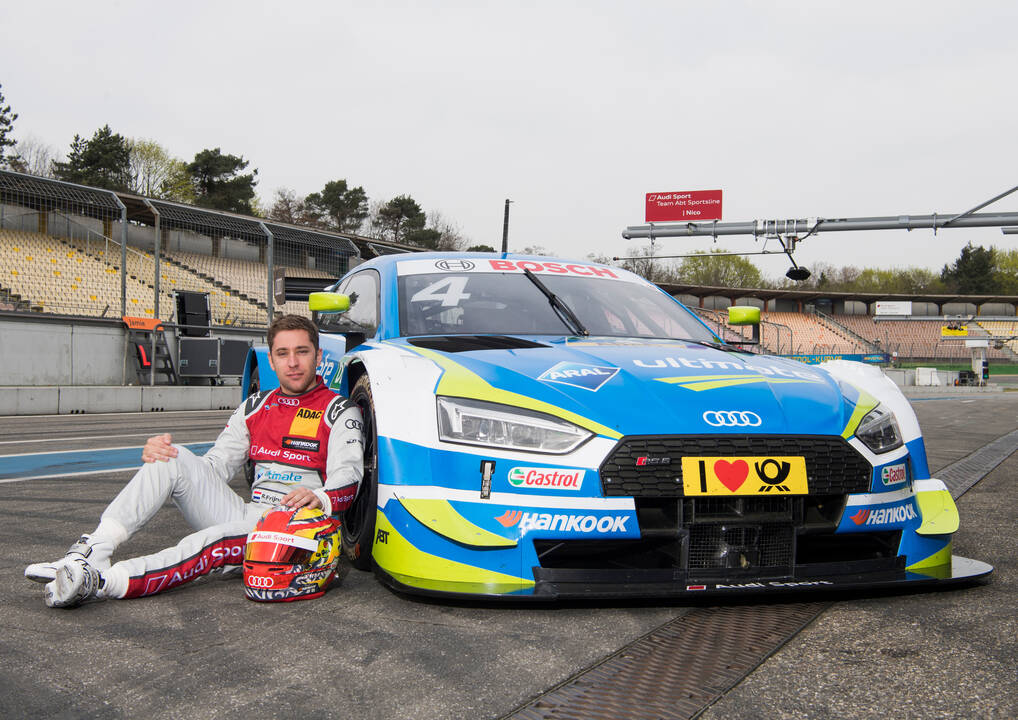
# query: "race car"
539,428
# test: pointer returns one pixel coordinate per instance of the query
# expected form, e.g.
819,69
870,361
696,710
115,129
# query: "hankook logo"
454,265
732,418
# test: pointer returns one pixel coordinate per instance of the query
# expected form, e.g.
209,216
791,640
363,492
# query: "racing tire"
357,533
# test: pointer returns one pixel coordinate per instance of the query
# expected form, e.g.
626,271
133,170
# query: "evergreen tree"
399,217
338,207
219,184
103,161
7,119
973,273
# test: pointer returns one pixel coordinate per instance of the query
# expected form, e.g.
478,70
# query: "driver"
306,445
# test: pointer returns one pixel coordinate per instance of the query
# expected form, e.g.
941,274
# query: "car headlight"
879,431
492,425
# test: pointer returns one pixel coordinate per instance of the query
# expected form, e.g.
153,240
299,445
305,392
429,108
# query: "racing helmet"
291,554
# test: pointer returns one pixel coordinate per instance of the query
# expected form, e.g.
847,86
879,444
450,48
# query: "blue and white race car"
549,429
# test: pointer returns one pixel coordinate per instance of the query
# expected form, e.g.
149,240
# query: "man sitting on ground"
305,441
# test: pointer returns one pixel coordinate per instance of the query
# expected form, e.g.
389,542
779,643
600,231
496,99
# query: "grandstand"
62,247
792,324
84,252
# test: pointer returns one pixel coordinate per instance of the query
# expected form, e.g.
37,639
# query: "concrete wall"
39,350
72,400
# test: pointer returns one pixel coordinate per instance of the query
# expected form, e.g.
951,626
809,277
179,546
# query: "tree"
151,166
219,184
288,208
1007,271
716,270
399,217
480,248
7,119
641,261
973,272
32,156
338,207
177,184
103,161
448,238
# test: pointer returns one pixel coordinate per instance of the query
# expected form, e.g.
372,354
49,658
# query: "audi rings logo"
732,418
258,581
454,265
292,402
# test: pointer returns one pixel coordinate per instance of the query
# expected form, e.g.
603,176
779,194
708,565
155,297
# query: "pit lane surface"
365,652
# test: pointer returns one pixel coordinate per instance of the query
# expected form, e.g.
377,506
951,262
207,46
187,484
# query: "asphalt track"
204,651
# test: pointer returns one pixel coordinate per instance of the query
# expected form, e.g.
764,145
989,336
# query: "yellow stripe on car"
458,381
412,566
441,517
863,405
939,513
712,382
939,560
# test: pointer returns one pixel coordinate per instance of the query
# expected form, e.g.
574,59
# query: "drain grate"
963,474
678,669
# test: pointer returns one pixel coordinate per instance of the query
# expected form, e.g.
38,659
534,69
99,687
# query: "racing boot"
76,581
90,548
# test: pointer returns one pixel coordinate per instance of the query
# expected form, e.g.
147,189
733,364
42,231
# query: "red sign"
684,205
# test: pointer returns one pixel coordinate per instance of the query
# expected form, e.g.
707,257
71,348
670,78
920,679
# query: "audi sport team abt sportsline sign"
684,205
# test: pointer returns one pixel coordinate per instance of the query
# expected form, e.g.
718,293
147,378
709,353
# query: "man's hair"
293,322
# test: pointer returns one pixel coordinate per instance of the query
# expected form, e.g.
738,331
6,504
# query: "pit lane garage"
545,429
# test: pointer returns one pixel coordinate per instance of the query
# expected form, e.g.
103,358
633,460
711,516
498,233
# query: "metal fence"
75,250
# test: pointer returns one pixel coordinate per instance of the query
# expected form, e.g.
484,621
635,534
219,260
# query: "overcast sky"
574,110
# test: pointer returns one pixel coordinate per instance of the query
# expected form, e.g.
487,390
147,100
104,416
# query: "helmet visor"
275,547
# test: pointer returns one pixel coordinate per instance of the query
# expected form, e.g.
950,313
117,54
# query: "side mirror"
328,302
746,315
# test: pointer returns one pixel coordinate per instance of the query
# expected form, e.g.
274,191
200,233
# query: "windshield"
511,304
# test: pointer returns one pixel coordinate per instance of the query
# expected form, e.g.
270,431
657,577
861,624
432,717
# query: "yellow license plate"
757,475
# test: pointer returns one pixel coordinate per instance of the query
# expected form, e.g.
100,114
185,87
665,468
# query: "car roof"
388,261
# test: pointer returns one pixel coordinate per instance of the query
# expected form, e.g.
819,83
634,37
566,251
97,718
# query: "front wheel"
358,521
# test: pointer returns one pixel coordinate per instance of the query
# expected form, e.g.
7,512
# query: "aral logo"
549,478
588,377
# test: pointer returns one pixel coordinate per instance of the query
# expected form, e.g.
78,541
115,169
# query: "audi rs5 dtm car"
549,429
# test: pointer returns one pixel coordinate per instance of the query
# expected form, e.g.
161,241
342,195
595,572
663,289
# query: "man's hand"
301,497
158,449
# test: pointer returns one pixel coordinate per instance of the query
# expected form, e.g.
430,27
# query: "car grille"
833,467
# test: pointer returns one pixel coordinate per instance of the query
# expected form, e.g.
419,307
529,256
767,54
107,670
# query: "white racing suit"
313,440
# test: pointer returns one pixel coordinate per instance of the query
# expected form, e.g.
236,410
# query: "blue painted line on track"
78,461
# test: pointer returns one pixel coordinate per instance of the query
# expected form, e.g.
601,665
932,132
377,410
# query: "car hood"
644,387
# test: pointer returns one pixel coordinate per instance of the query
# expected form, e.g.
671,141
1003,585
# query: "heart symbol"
731,474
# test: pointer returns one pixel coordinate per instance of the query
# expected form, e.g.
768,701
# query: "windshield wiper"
728,347
567,316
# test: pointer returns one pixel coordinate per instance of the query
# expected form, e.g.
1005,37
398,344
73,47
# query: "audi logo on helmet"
258,581
732,418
